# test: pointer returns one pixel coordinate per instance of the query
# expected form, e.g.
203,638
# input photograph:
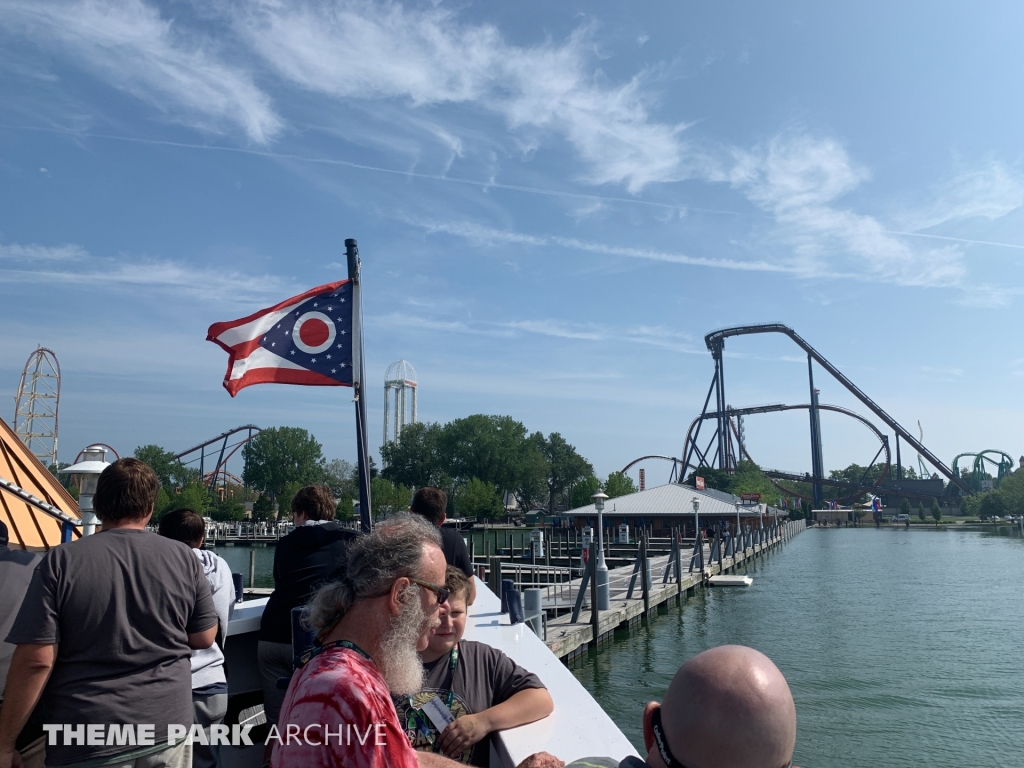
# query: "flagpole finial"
352,252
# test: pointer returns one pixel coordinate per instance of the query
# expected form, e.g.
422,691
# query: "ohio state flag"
307,339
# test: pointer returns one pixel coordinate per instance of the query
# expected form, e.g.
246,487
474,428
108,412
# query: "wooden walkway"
568,640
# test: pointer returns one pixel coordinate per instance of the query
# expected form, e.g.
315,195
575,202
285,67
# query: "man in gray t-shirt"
108,626
16,568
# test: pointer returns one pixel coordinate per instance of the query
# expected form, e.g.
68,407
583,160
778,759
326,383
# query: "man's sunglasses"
441,592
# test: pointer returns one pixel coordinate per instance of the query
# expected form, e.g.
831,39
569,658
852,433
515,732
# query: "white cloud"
73,265
130,45
365,50
988,192
798,179
34,253
557,329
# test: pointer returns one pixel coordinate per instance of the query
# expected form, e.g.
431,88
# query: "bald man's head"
728,707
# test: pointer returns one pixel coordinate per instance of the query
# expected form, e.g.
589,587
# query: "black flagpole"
362,454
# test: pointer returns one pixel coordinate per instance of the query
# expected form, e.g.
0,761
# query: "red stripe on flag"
280,376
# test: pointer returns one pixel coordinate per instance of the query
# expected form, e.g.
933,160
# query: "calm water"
902,648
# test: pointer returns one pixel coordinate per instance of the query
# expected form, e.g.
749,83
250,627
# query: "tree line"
484,463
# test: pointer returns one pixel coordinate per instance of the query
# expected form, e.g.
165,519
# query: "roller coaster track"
716,340
675,466
210,478
861,487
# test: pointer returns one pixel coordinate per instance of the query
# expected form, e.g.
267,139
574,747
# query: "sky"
554,203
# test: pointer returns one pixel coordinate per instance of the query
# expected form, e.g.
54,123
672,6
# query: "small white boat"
730,581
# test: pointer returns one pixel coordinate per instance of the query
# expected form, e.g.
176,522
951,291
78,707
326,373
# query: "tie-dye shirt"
340,690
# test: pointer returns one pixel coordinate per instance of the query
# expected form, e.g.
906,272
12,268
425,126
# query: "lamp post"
696,517
601,570
94,461
737,502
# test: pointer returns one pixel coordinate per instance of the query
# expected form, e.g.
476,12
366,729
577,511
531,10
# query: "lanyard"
416,716
312,653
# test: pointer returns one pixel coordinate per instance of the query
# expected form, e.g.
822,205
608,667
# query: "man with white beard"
338,711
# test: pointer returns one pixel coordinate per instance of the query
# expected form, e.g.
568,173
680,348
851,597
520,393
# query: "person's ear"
648,725
396,598
443,518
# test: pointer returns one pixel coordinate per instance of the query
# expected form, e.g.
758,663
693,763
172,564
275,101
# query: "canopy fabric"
28,527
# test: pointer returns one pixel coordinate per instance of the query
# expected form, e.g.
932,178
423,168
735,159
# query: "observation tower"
37,404
400,379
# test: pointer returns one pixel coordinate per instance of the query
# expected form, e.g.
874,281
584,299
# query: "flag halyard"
306,340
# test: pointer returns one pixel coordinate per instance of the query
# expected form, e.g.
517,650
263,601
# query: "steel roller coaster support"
715,342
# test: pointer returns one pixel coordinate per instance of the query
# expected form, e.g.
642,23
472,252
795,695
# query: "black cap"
3,534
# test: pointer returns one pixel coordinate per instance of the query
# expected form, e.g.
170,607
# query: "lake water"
901,647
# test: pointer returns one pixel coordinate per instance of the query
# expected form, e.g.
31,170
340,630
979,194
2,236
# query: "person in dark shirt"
431,503
307,557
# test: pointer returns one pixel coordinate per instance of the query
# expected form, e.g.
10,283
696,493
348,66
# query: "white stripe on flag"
261,358
254,329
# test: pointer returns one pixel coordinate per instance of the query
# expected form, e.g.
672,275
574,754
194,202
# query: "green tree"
748,478
564,465
920,511
905,507
282,455
619,484
490,448
859,514
193,496
342,478
416,460
346,509
991,504
284,499
263,508
227,510
1011,489
936,512
479,499
163,500
529,479
172,473
388,498
583,490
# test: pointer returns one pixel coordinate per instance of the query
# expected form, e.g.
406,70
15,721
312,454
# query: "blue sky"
554,203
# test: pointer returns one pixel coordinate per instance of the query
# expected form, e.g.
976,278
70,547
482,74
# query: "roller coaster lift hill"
725,455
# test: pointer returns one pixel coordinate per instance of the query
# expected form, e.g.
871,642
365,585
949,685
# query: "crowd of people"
129,627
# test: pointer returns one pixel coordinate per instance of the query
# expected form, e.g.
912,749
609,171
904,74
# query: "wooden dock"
568,640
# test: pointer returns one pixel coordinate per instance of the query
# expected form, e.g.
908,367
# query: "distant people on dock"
309,556
728,707
431,504
209,684
16,567
482,687
370,627
106,631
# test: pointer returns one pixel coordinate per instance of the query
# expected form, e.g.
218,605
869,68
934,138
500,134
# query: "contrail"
956,239
377,169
